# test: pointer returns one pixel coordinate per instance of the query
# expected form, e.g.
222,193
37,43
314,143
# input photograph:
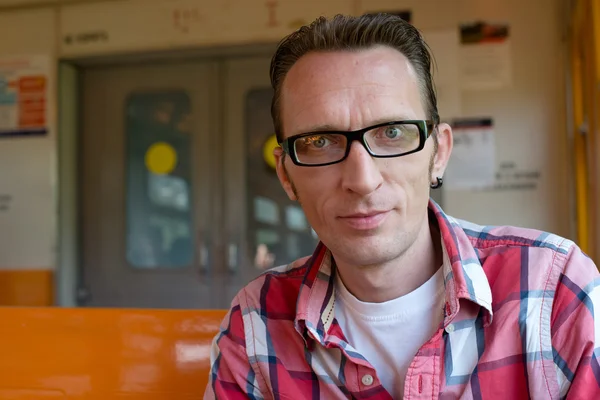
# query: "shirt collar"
464,279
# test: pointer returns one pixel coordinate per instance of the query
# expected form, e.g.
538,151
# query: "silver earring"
438,184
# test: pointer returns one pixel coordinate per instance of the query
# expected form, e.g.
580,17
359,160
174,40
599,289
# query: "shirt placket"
365,383
424,374
361,380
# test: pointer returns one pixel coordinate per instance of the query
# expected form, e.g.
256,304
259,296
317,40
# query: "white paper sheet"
485,56
472,163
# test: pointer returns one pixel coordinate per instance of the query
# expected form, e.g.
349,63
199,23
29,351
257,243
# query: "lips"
363,215
365,220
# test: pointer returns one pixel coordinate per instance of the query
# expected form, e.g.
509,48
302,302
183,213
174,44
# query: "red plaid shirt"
522,320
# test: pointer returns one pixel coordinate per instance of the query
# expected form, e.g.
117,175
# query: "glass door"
148,190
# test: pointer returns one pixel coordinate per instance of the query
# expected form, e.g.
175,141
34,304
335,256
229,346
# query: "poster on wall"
472,164
485,56
24,95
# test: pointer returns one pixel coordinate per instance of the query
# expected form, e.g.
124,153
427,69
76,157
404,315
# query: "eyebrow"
328,127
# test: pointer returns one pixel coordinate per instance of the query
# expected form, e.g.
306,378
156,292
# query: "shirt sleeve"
231,376
575,328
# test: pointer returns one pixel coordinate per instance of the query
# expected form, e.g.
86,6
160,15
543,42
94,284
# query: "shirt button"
367,380
450,328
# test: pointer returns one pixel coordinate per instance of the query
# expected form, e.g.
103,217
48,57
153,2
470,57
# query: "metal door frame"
236,196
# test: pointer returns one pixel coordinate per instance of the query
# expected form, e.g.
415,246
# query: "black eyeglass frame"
425,127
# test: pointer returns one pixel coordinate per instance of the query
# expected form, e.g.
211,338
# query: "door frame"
236,196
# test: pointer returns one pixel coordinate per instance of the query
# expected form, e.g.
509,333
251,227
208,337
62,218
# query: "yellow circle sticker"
268,147
161,158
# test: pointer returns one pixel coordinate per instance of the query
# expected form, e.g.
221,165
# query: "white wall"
28,164
529,116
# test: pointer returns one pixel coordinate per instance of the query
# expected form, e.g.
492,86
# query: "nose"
361,174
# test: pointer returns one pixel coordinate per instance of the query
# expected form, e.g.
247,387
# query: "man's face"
366,210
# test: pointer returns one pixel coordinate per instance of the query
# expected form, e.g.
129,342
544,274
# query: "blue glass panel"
158,184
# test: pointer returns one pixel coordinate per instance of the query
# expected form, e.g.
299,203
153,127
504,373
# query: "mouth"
365,221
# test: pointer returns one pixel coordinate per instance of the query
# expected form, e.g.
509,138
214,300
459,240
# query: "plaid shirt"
522,320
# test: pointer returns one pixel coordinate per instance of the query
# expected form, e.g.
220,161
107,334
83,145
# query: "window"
158,179
278,231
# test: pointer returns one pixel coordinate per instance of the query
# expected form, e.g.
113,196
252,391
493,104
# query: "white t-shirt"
389,334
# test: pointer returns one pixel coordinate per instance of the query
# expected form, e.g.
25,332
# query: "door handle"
232,258
203,256
83,295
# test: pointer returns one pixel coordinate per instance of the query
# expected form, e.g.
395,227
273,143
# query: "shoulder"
264,306
523,247
540,259
275,290
507,237
272,296
551,289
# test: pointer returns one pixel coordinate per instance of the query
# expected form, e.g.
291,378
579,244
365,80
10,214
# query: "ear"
282,174
444,136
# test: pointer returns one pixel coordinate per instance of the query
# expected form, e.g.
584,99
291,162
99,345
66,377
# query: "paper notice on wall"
24,95
27,191
445,48
472,163
485,56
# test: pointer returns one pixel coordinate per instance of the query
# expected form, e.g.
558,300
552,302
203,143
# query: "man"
398,300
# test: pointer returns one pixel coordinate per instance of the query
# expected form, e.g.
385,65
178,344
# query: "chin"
367,250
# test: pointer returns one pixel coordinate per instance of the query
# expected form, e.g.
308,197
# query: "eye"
319,142
316,141
392,132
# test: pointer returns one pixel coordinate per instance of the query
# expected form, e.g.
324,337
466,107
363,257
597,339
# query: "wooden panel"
105,353
26,287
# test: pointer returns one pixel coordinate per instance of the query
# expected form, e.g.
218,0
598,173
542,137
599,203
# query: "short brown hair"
346,33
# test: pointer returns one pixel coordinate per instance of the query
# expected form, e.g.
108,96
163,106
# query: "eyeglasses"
386,140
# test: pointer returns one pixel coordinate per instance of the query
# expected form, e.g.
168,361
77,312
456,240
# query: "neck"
400,276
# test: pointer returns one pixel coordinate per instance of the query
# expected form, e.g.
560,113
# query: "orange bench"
89,353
